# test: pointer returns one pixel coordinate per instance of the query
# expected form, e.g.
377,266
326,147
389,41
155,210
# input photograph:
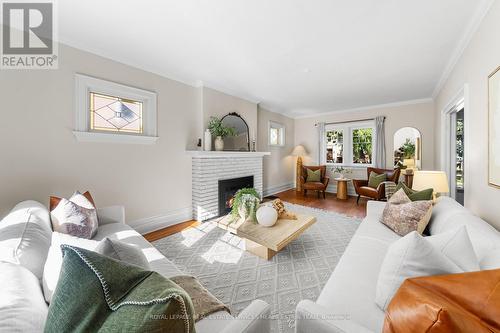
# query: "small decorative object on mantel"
198,146
282,212
267,216
341,171
244,204
220,131
494,129
208,140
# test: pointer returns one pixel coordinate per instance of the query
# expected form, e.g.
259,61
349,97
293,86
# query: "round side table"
342,188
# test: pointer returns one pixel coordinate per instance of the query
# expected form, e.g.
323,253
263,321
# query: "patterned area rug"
237,277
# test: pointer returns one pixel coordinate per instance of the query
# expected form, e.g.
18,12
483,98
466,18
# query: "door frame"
448,123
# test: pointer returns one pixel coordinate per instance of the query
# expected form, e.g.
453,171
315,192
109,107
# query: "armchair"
314,186
363,190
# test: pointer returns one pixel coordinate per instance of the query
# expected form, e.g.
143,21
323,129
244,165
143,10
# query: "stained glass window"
110,113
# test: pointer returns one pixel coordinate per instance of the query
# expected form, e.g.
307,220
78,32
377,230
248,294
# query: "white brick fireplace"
208,167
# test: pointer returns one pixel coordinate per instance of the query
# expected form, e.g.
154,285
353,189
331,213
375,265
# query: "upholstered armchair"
363,190
320,186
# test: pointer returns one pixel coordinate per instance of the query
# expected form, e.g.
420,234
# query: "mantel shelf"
213,154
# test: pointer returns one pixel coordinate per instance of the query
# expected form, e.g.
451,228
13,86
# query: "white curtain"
321,143
380,142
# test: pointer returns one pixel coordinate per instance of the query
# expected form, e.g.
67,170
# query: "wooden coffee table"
265,242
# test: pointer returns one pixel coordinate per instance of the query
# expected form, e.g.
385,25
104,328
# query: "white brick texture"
206,175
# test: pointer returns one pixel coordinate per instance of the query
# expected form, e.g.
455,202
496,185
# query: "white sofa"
25,236
347,302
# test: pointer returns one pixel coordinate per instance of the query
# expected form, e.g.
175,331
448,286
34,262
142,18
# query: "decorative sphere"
267,216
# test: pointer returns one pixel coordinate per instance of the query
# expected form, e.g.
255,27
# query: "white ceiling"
297,57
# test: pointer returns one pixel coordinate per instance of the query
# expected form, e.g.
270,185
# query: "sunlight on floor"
192,235
226,250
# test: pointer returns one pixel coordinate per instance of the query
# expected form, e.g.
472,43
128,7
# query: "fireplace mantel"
215,154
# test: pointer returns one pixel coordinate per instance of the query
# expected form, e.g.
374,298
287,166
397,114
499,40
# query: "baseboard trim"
150,224
278,188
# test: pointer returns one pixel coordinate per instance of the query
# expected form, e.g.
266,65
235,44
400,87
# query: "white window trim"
347,129
85,84
273,124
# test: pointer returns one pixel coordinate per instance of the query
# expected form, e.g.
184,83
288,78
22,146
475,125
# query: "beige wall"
478,61
216,103
279,166
40,156
420,116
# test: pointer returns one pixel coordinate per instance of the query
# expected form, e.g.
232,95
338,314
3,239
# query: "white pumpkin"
267,216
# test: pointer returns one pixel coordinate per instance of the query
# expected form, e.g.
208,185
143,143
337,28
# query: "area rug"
237,277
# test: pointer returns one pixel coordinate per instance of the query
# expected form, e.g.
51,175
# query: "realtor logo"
28,36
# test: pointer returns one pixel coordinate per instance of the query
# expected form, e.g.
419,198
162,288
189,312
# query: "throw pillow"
410,256
22,307
375,179
313,176
415,195
467,302
76,216
456,245
127,253
403,216
53,264
96,293
25,235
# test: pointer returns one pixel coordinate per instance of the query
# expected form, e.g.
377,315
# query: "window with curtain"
350,144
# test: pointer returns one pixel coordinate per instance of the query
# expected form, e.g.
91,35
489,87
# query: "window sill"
114,138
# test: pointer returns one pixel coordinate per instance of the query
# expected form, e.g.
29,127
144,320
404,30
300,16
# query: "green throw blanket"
97,293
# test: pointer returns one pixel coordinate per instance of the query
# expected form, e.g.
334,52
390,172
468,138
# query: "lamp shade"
436,180
299,151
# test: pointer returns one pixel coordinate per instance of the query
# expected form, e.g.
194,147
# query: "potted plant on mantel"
245,204
219,131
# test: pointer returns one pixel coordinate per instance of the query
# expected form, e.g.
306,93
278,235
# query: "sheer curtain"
321,143
380,142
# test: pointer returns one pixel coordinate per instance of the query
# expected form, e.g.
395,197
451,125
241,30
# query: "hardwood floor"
159,234
331,203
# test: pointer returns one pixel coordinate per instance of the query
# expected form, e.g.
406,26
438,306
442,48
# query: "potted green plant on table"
219,131
245,203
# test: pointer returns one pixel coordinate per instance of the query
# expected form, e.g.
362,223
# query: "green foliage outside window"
362,144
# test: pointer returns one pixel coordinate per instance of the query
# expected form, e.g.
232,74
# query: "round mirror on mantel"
241,140
408,148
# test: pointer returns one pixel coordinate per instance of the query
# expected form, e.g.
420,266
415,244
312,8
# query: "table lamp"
437,180
299,151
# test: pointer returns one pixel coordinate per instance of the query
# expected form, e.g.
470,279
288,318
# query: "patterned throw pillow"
375,179
76,216
313,176
404,216
415,195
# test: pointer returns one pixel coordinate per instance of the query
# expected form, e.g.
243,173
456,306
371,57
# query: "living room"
250,167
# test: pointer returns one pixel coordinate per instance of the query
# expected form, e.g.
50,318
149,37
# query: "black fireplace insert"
228,188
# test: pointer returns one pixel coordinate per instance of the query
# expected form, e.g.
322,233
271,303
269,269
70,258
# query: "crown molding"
367,108
472,28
